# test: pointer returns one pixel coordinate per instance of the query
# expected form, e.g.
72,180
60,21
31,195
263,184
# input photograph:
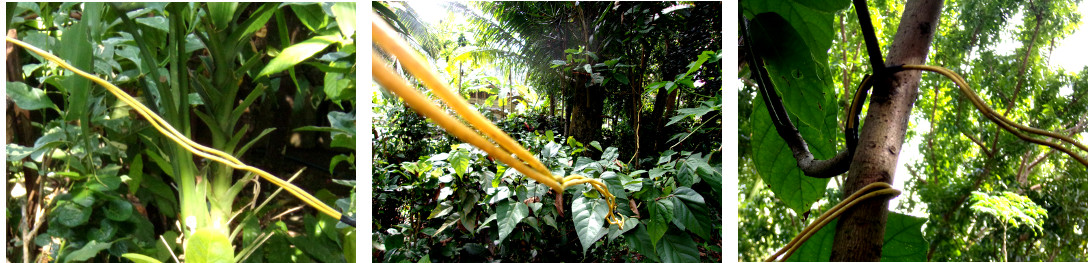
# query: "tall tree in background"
625,45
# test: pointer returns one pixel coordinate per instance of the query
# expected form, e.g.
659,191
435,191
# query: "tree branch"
782,123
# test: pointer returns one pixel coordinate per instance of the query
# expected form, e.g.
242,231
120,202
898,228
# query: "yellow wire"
171,133
1001,120
421,104
385,37
961,83
858,196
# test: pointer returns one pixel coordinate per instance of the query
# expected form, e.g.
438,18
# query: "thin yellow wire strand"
171,133
836,214
858,196
610,199
1000,120
385,37
961,83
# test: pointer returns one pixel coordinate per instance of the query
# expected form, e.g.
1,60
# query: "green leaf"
678,247
104,183
657,172
691,218
621,78
311,16
86,252
135,174
710,175
662,209
71,215
256,21
207,246
84,198
28,98
297,53
676,119
628,224
614,182
639,240
349,246
685,176
800,77
221,13
156,22
687,194
104,232
775,164
460,162
510,213
345,18
596,145
698,63
903,240
140,258
339,86
319,242
588,218
656,229
341,158
1009,208
74,47
442,209
18,152
814,20
118,210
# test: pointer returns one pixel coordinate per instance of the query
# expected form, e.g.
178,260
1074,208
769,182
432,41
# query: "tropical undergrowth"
93,181
447,200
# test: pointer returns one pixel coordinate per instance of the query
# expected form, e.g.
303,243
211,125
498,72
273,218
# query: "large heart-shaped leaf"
589,214
510,213
801,78
677,247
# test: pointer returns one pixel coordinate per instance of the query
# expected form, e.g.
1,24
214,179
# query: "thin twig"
287,212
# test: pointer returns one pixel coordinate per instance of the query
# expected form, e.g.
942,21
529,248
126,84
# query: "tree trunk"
649,131
860,232
586,106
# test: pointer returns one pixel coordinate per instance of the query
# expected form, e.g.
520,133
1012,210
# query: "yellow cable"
385,37
424,106
171,133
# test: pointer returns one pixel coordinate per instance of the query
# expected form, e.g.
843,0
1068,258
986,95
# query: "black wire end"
347,220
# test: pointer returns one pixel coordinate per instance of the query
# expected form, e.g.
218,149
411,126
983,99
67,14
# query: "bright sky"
429,11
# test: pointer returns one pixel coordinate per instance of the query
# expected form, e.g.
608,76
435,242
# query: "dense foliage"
92,181
637,109
986,194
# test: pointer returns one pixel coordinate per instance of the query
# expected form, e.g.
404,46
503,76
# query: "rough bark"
586,104
860,232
